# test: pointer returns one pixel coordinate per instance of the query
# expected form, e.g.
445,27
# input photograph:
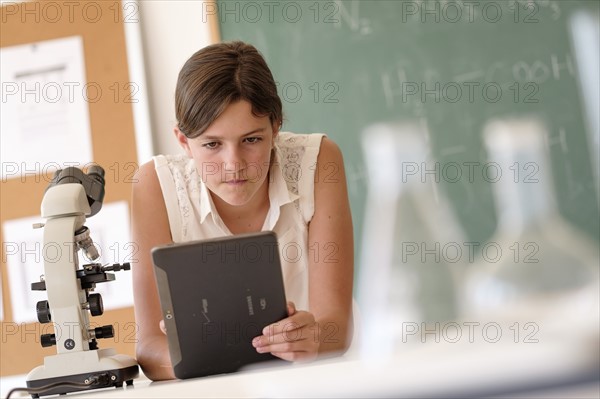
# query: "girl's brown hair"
219,75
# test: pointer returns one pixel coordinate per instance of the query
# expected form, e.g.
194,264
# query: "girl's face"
233,155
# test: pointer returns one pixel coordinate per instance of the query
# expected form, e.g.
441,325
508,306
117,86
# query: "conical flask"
541,257
405,279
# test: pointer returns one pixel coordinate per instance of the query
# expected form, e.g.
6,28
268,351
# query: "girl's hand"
295,338
162,327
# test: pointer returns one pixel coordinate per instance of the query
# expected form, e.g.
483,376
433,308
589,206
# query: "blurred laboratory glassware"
585,38
403,277
542,257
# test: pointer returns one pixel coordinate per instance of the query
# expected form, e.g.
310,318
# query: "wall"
171,32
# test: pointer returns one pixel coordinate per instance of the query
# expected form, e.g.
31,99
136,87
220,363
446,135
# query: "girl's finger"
295,321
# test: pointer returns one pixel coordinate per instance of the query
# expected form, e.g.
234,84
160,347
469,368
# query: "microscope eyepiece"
96,172
93,182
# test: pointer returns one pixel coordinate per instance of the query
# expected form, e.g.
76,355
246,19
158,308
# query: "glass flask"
409,265
538,256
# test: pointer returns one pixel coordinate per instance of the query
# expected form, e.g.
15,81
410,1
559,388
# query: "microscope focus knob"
104,332
48,340
43,312
96,305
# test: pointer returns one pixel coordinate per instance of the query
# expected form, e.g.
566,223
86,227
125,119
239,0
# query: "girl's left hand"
295,338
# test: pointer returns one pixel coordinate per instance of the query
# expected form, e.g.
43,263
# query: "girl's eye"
211,146
253,140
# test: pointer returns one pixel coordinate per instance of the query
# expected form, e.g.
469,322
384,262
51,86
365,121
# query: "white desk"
564,362
430,370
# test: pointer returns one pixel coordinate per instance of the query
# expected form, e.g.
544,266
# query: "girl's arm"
150,227
331,252
327,328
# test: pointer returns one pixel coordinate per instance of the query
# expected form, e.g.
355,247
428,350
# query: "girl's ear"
183,141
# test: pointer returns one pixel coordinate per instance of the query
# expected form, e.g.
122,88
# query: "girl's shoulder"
289,140
178,161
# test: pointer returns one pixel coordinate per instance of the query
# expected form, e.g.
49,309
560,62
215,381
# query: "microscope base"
103,366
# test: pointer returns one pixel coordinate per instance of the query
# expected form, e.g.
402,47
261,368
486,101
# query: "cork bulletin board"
111,96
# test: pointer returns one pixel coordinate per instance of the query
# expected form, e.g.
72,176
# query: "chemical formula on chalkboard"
451,65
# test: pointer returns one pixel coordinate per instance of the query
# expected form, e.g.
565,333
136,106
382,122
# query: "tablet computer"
216,295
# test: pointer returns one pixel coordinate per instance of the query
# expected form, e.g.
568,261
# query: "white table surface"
431,370
565,350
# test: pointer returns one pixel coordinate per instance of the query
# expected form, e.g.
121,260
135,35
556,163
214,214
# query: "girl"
240,174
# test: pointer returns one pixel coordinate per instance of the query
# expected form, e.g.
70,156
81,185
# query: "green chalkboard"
344,65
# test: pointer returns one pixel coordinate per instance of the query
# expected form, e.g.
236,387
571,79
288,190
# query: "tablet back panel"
216,295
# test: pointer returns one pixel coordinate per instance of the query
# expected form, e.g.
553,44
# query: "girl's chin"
235,194
234,199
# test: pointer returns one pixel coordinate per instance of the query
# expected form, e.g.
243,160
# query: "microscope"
79,364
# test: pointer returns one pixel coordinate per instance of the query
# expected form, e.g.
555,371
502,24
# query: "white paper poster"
24,264
45,118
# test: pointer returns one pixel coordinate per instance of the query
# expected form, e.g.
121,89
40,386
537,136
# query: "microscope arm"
63,287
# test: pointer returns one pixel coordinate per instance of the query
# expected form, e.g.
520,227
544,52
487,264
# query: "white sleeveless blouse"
193,216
